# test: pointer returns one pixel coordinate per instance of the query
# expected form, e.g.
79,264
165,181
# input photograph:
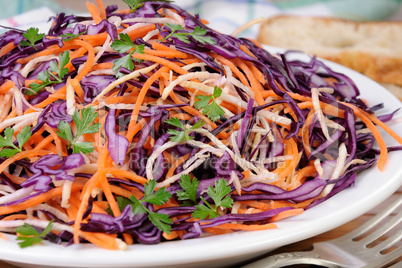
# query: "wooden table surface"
307,244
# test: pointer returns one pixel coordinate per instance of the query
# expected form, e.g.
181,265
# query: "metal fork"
350,250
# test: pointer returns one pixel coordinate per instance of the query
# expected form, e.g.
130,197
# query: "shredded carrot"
7,48
4,88
102,10
253,227
94,12
180,117
287,213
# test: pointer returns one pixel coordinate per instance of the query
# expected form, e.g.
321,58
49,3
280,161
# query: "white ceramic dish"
371,188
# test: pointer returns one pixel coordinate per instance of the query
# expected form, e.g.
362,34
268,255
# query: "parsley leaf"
135,4
159,197
48,78
199,34
213,110
29,236
84,126
123,45
70,36
219,196
7,141
183,134
122,202
32,35
189,187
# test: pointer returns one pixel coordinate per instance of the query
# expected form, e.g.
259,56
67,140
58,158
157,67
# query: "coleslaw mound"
145,125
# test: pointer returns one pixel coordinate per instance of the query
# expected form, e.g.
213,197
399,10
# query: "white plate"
371,188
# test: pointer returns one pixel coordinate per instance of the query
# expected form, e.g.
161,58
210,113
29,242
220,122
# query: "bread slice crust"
371,48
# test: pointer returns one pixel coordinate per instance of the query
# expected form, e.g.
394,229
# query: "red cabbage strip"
45,166
117,144
336,136
245,125
62,21
101,27
260,216
52,115
300,192
348,180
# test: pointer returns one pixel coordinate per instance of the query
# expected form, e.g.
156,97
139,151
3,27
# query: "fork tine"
390,241
387,259
368,225
383,229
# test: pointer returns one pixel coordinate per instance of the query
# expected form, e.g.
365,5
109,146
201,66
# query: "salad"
145,125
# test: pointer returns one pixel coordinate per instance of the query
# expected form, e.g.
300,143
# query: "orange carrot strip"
177,163
286,214
102,240
5,87
141,32
22,155
291,147
15,217
54,49
7,48
93,10
90,61
174,234
36,200
166,54
255,84
78,89
102,66
252,227
134,115
126,174
102,10
382,159
171,65
44,142
87,191
233,68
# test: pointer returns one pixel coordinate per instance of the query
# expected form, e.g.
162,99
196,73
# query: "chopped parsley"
84,126
7,141
123,45
183,133
219,196
29,236
32,35
211,109
198,34
159,197
48,78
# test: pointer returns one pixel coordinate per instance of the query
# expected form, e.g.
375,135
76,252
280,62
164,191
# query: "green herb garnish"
46,76
190,189
183,134
135,4
159,197
70,36
29,236
219,196
32,35
7,141
122,202
123,45
84,126
211,109
199,34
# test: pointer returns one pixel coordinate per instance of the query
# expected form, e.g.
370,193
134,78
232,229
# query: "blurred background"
352,9
223,15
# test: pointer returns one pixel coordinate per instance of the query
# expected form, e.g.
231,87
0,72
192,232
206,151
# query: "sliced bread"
371,48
